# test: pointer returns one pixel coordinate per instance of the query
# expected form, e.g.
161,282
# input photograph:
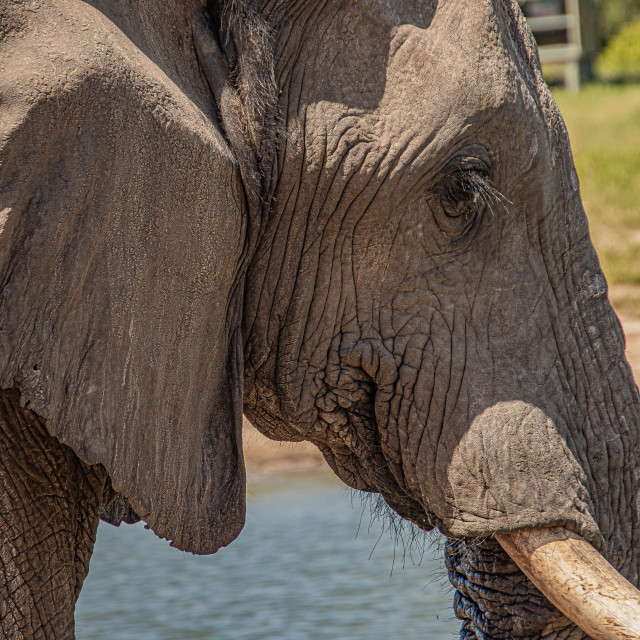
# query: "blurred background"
315,561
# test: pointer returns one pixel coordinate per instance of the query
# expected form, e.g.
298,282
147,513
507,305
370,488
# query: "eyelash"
461,197
463,189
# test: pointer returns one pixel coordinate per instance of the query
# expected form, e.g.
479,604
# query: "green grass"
604,127
620,60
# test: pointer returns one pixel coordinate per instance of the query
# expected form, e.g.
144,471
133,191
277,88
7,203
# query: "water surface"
310,565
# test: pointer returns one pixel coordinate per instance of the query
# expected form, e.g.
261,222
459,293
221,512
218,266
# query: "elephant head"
364,216
425,304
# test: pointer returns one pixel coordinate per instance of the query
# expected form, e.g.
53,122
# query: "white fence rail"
557,19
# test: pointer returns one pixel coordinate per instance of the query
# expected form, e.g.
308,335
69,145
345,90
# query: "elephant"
357,222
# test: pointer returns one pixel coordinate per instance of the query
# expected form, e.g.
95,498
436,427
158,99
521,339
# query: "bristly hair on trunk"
247,38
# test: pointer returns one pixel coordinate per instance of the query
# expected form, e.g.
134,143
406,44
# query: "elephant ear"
122,252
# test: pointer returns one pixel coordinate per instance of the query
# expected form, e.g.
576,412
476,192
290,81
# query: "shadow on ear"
123,238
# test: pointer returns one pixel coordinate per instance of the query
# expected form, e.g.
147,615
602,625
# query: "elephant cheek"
511,469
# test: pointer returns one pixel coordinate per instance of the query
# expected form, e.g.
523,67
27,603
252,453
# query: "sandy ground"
265,457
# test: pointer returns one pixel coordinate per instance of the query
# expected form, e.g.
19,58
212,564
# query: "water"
309,565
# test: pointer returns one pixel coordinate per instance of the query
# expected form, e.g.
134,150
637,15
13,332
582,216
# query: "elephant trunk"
577,580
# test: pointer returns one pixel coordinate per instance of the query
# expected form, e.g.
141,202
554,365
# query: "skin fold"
378,246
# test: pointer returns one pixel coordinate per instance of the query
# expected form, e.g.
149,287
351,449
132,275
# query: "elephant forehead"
398,93
456,68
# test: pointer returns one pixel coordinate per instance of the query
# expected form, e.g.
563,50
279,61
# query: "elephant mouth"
577,580
568,571
519,585
565,567
571,574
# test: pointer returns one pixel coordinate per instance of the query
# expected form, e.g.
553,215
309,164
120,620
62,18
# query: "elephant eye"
461,193
460,197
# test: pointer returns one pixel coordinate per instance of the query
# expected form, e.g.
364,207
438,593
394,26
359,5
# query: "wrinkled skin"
469,369
421,298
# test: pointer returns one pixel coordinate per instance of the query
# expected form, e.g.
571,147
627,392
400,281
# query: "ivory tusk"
577,580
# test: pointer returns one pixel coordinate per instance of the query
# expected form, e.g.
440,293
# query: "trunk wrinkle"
495,600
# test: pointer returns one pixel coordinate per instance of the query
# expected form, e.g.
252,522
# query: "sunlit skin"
357,222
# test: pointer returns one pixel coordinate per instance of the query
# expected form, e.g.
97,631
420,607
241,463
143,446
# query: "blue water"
310,565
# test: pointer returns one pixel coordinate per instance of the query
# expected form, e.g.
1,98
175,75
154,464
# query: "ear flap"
122,252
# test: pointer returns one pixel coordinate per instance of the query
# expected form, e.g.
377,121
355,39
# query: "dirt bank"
266,457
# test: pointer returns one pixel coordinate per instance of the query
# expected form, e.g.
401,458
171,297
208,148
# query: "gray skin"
364,217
